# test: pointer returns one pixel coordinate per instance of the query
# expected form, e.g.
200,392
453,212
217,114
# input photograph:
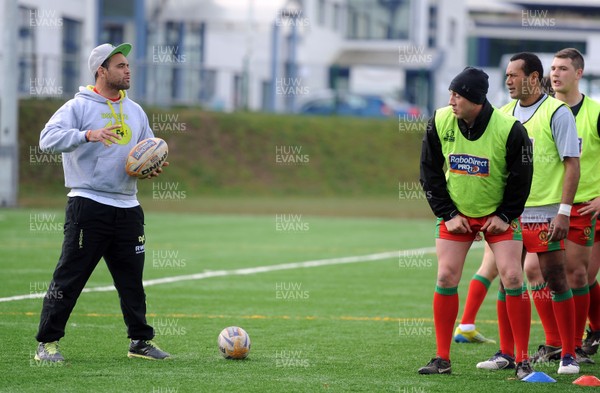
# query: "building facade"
499,29
52,38
247,54
273,55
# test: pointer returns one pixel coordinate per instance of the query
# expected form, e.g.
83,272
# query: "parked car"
392,107
361,105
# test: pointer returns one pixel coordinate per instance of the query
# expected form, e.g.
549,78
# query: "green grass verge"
248,154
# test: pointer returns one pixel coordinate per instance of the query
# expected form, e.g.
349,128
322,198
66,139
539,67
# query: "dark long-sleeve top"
519,164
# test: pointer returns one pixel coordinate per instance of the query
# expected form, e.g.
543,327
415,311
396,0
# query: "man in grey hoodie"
95,131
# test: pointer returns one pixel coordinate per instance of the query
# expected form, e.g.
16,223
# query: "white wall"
376,80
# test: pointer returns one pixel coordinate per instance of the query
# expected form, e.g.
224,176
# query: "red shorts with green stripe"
597,233
512,233
535,238
581,228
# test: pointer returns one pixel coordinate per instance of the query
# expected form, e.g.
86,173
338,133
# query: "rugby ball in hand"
146,157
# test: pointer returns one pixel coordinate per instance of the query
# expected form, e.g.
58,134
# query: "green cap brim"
123,48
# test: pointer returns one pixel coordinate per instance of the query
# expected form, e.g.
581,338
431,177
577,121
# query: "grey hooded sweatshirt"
93,169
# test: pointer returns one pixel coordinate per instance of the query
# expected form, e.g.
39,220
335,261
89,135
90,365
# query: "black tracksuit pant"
92,231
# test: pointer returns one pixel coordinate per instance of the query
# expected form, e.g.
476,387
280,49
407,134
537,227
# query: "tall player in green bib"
551,126
584,232
565,73
485,186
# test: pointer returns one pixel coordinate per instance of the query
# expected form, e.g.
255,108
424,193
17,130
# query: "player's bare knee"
557,283
577,278
447,280
513,279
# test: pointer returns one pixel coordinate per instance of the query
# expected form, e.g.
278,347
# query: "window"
452,32
195,43
174,38
488,52
27,64
208,85
379,19
432,33
238,99
337,13
321,13
266,95
113,34
118,8
339,78
71,53
351,26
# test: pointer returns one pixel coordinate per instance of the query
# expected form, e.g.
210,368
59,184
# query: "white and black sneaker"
568,365
499,361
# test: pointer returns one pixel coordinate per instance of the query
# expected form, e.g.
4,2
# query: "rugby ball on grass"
146,157
234,343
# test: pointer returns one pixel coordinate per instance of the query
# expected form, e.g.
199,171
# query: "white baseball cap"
102,52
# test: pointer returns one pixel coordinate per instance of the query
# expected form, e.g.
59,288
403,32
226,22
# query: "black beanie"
471,83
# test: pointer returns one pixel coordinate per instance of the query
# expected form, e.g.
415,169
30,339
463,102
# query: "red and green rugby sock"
445,311
581,299
478,289
564,310
518,309
542,298
507,341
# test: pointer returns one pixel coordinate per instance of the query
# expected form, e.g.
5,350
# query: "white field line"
250,270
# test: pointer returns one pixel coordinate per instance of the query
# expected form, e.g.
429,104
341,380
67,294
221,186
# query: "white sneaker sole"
568,370
491,365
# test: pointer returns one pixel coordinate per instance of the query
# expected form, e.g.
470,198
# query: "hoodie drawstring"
112,109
